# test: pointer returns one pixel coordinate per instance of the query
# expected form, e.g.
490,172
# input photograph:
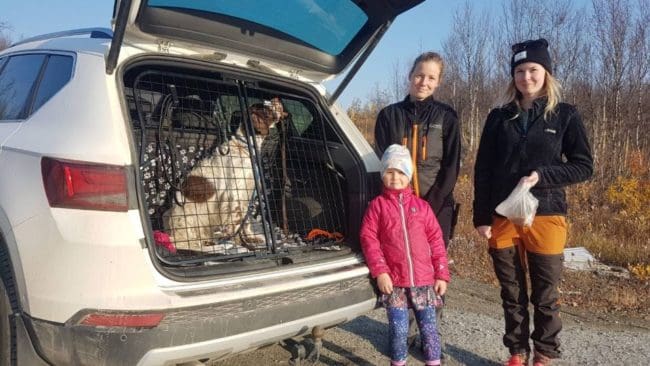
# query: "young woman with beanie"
403,246
533,138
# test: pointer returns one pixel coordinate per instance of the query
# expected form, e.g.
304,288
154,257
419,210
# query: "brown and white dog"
215,197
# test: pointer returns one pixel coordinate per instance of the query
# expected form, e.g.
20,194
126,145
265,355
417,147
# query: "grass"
612,237
609,236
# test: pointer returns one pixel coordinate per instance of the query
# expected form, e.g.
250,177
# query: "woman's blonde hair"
428,56
551,89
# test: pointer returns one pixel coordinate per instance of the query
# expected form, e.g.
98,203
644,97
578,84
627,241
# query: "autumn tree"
621,77
5,41
398,81
599,53
468,65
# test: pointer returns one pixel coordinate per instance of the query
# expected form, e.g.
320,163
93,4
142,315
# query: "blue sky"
422,28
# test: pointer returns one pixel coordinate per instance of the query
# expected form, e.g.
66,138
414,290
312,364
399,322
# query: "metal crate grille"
232,170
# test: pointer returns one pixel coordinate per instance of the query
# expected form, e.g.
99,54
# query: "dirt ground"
607,318
607,314
472,329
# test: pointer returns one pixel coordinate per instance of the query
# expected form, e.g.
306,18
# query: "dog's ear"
261,118
198,189
259,124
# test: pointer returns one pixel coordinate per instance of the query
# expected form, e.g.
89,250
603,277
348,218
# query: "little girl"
404,250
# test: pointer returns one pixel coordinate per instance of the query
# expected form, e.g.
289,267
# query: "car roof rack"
93,32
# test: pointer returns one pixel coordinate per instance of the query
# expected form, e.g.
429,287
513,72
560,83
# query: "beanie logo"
520,56
550,130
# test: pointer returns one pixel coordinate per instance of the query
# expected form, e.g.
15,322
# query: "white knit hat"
397,157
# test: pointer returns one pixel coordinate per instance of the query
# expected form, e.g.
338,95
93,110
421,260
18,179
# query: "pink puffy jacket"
401,236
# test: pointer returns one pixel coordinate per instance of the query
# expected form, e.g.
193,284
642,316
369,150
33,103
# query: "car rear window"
323,24
28,81
58,72
16,83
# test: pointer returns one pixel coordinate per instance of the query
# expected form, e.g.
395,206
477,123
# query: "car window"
16,82
57,73
306,121
325,24
301,117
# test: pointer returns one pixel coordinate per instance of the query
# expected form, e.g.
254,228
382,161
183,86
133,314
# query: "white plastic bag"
520,206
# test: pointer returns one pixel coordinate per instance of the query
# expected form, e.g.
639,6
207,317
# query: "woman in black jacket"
537,139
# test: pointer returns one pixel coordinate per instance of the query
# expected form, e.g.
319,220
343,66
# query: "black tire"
7,342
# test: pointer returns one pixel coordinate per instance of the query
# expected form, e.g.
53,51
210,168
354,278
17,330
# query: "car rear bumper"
204,333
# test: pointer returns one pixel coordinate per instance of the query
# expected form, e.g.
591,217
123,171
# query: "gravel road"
472,330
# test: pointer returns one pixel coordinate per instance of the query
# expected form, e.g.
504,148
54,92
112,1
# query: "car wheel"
6,339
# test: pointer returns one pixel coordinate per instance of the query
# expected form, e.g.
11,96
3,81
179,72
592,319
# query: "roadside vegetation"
5,40
601,56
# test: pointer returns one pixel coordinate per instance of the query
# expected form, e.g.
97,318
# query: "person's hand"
485,231
531,179
440,287
385,284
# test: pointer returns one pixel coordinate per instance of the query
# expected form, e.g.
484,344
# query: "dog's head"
265,115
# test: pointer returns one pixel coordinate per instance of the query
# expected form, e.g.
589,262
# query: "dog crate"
235,170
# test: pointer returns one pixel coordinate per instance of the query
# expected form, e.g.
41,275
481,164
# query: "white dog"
215,197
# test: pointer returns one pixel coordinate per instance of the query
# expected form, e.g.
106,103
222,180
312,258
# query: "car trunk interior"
239,172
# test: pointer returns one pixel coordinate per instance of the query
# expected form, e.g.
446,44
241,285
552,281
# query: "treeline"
5,40
601,54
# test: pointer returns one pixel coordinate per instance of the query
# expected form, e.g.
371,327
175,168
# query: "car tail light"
85,186
122,320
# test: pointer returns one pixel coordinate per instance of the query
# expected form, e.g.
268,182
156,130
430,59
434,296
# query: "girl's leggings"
398,325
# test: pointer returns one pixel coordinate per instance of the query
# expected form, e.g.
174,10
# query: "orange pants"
547,234
536,250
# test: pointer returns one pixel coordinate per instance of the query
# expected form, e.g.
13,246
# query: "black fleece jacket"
438,173
557,148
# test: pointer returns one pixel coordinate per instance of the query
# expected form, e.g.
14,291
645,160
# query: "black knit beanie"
531,51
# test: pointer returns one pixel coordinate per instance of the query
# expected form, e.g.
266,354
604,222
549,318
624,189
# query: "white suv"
181,187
